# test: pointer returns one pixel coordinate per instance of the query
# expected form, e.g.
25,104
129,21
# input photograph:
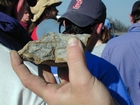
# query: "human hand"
81,89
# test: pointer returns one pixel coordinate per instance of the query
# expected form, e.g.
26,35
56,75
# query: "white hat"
40,6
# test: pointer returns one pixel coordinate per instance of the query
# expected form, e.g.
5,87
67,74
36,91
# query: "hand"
82,88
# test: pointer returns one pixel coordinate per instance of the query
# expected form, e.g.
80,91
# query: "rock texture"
50,49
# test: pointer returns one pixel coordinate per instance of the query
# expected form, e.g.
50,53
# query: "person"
14,37
104,37
44,9
73,77
123,52
26,19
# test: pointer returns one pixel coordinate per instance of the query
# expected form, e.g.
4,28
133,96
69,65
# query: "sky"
116,9
119,9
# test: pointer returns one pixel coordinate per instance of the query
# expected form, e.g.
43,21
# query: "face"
26,16
53,12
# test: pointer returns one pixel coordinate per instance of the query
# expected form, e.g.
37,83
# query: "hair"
27,8
5,5
72,28
136,15
105,35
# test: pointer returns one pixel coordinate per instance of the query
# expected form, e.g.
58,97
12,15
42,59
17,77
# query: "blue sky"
117,9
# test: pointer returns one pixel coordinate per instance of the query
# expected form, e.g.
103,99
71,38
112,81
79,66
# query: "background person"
26,19
44,9
123,52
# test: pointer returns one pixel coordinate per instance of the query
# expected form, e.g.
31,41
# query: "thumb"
76,62
80,76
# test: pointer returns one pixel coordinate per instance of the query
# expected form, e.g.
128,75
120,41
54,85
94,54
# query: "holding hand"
82,88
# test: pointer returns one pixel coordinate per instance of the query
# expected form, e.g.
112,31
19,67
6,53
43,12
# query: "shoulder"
46,26
10,83
109,76
119,46
98,66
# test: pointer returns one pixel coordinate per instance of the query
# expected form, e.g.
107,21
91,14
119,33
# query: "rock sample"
50,49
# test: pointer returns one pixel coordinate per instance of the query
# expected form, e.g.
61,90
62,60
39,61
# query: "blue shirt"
46,26
124,53
109,76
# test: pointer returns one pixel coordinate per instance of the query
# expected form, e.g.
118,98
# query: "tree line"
118,26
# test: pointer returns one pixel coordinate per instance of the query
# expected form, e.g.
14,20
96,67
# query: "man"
123,52
44,9
92,15
14,36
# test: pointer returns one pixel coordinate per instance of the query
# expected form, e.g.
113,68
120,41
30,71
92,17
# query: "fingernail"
72,41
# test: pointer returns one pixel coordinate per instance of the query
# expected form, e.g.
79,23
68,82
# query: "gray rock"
50,49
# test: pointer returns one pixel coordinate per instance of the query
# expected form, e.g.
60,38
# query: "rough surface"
50,49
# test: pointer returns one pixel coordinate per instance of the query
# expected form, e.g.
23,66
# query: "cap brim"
32,2
80,20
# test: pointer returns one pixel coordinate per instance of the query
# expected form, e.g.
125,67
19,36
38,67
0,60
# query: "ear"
47,14
64,23
99,28
94,37
131,19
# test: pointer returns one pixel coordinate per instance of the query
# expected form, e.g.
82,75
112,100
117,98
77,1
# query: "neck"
98,42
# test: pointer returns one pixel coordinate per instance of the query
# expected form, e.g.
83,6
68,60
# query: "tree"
118,25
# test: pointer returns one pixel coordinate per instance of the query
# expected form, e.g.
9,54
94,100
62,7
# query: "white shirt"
12,92
98,49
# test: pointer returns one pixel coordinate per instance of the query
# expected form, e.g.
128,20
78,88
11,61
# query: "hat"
46,26
84,12
40,6
135,6
107,23
32,2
